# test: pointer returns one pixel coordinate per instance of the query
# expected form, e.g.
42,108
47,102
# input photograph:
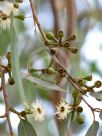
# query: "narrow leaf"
15,62
25,129
97,95
43,83
92,131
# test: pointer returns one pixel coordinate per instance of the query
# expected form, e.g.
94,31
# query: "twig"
6,106
3,116
36,20
92,109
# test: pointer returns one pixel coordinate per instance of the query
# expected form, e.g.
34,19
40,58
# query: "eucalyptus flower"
38,111
63,109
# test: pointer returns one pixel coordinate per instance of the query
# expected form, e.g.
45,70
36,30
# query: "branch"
35,19
6,106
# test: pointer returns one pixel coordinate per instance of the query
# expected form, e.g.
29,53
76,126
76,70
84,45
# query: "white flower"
5,22
8,7
63,109
38,111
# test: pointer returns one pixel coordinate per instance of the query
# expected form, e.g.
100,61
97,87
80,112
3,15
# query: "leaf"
100,115
43,83
15,61
97,95
25,129
92,131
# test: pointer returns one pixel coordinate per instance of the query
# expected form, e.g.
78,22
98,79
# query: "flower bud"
53,51
81,82
20,17
88,78
73,50
79,109
50,36
80,120
23,113
11,81
61,71
50,70
66,44
31,70
60,34
75,94
16,5
98,84
72,37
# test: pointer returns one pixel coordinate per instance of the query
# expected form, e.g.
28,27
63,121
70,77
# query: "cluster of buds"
55,43
7,8
78,95
82,82
7,69
77,109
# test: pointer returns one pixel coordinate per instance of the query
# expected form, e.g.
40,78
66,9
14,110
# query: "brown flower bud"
79,109
23,113
98,84
53,51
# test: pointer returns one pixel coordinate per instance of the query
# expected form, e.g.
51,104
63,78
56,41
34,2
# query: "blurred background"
80,17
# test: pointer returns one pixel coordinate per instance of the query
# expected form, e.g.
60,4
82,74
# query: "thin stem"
92,109
35,18
3,116
6,105
14,111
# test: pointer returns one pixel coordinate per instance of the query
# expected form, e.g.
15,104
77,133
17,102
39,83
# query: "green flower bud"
50,70
81,82
50,36
60,34
79,109
80,120
11,81
20,17
75,94
98,84
88,78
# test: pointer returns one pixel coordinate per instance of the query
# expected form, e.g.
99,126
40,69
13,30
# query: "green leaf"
97,95
100,115
15,61
25,129
43,83
92,131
